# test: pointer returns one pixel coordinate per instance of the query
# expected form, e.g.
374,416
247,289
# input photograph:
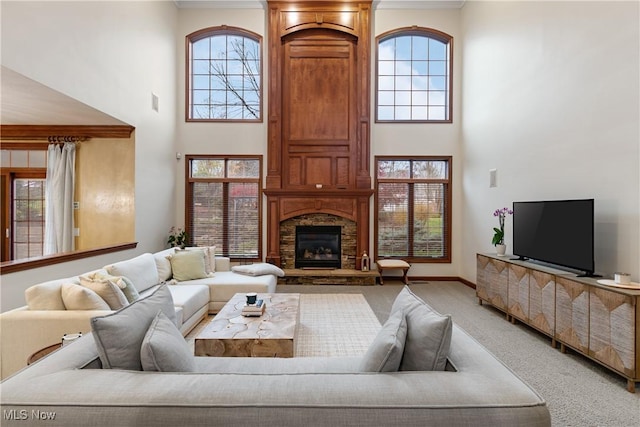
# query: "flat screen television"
559,232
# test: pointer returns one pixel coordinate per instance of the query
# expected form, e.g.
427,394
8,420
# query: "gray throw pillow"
130,291
164,348
428,334
119,335
385,352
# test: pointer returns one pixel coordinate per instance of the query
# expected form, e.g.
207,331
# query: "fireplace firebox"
318,246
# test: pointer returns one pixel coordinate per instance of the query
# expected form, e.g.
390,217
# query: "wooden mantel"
319,114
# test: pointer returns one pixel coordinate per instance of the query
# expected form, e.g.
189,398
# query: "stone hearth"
288,237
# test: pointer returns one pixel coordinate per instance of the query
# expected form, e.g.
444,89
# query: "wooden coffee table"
270,335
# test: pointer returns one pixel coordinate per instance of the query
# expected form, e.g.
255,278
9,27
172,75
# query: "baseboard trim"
435,279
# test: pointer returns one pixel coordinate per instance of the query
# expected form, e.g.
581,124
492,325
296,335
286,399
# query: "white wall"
217,138
422,139
111,56
551,99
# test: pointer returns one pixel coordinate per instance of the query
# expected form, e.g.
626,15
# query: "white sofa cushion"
164,349
77,297
163,265
190,298
225,284
223,263
119,335
47,296
385,352
141,270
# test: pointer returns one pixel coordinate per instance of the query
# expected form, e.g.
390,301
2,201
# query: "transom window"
413,208
414,76
224,75
224,204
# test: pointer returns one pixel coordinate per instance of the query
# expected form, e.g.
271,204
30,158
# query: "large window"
413,208
224,75
413,81
224,204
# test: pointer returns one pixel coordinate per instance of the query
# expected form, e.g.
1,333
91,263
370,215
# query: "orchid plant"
498,236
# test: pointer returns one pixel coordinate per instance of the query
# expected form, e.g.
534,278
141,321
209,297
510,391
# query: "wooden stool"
393,264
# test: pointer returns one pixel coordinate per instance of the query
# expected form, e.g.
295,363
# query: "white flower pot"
501,249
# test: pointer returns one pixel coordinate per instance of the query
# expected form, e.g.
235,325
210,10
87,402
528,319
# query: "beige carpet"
329,325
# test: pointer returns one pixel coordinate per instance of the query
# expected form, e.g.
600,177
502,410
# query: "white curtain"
60,184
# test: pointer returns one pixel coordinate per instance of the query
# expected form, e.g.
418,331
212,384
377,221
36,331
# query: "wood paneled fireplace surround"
318,129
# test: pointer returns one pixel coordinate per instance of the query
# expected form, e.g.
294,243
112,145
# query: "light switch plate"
493,178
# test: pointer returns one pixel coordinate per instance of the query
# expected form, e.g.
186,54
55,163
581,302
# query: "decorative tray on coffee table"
609,282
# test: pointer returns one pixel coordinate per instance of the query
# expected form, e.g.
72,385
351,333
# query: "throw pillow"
428,334
76,297
46,296
385,352
119,335
258,269
163,265
188,265
129,291
107,289
209,256
126,286
164,348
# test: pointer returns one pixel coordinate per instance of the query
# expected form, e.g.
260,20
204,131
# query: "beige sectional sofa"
45,319
73,387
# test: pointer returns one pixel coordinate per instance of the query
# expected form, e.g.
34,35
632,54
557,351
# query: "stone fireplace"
348,209
346,227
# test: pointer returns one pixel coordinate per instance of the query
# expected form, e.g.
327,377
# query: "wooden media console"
597,321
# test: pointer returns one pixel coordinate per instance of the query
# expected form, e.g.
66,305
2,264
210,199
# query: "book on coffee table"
256,309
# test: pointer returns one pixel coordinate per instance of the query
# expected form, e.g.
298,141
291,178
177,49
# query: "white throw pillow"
385,352
163,265
258,269
78,297
108,290
164,349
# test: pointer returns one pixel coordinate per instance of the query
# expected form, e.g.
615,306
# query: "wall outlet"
76,232
76,205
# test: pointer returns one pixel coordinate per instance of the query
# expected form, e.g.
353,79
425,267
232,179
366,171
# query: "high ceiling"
27,102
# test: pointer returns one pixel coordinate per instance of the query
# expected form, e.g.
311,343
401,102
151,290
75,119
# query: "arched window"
224,75
413,82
